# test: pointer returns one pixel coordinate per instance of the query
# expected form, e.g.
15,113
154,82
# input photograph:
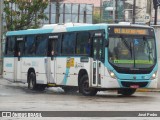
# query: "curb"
147,90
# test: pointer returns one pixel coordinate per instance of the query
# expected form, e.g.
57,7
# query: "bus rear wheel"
84,87
127,91
32,81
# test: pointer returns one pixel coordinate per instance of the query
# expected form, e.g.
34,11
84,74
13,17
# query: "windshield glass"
132,51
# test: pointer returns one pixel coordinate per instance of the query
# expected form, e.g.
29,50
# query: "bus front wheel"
127,91
84,87
32,81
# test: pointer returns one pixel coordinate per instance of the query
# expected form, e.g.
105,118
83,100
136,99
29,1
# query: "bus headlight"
112,74
154,75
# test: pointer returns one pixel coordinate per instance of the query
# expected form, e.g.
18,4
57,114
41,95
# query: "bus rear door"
51,60
19,50
97,53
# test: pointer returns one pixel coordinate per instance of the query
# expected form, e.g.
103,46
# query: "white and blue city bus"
84,57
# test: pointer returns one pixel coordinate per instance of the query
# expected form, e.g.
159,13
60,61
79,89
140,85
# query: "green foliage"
97,19
22,14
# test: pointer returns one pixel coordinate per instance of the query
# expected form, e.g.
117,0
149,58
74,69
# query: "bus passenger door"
51,59
19,50
96,61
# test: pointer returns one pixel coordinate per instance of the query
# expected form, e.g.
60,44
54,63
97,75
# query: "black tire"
70,89
40,87
84,87
32,81
127,91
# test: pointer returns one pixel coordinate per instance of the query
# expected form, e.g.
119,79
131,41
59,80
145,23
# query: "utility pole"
134,11
148,12
50,11
101,2
57,11
116,11
156,4
155,19
1,34
113,10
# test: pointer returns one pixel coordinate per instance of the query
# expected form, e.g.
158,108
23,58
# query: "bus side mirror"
106,43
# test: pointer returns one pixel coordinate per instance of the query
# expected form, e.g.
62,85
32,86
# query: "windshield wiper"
126,44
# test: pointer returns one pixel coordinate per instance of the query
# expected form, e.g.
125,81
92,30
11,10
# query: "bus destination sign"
131,31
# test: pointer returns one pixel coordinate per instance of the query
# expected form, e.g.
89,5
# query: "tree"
23,14
96,18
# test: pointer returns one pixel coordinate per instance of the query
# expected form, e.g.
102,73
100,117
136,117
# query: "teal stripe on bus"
82,28
26,32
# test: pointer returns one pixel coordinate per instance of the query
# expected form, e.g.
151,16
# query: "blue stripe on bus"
25,32
69,29
46,57
64,82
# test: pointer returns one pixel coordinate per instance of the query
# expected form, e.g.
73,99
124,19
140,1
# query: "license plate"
134,86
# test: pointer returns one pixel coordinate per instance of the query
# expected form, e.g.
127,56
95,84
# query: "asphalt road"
17,97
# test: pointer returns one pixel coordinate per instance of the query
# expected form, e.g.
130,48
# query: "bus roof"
68,27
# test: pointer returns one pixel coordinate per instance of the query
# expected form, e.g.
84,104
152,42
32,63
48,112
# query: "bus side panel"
75,66
67,71
107,81
62,72
39,66
41,70
8,68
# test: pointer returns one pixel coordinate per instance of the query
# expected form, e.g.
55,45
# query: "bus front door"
96,61
19,50
51,60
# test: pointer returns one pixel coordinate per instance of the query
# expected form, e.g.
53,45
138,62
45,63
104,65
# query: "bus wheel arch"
28,73
83,83
31,79
81,73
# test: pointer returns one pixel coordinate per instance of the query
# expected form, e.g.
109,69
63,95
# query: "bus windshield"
135,52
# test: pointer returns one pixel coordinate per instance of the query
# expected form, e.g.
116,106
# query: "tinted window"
41,45
54,44
97,48
30,46
52,47
83,43
19,46
68,43
10,46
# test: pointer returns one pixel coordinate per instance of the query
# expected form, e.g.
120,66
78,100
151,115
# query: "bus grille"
128,84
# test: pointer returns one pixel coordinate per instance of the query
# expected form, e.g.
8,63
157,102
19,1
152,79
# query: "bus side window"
30,45
41,45
10,46
52,43
19,49
83,43
68,43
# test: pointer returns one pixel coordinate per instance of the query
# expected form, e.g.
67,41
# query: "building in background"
96,3
113,10
65,11
122,10
82,11
68,12
140,10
